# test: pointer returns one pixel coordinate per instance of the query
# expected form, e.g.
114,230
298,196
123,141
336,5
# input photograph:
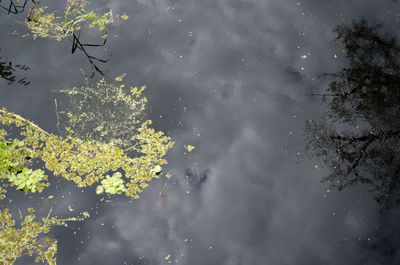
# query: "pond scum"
106,141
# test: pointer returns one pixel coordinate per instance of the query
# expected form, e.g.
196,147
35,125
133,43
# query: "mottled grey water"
233,78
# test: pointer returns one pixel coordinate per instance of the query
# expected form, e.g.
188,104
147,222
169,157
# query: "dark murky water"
293,107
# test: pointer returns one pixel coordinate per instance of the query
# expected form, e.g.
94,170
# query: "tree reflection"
77,44
358,136
13,6
7,70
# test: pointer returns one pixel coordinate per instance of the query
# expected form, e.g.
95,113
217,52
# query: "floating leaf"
189,147
156,170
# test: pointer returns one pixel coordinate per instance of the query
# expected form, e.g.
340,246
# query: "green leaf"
15,164
156,170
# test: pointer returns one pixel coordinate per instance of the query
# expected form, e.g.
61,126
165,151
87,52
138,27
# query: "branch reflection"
358,137
7,70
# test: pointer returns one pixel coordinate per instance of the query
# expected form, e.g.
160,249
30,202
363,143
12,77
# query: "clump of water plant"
44,24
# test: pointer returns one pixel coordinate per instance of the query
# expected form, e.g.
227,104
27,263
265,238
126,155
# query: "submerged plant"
105,112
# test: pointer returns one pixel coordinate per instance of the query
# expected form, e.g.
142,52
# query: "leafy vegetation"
83,156
87,161
111,185
69,24
46,24
14,242
105,139
105,112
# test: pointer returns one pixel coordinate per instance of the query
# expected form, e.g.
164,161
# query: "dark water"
240,80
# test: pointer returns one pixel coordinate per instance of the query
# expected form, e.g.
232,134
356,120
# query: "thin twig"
25,121
58,117
28,17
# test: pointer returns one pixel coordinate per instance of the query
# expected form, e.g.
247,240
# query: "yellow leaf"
189,147
120,77
125,17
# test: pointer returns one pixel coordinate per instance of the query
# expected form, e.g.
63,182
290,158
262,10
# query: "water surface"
238,80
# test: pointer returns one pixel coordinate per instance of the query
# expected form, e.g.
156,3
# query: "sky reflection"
233,78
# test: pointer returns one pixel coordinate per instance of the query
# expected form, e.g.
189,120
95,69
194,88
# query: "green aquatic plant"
13,161
75,19
111,137
117,149
105,112
87,162
111,185
83,161
87,156
46,24
15,242
28,179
